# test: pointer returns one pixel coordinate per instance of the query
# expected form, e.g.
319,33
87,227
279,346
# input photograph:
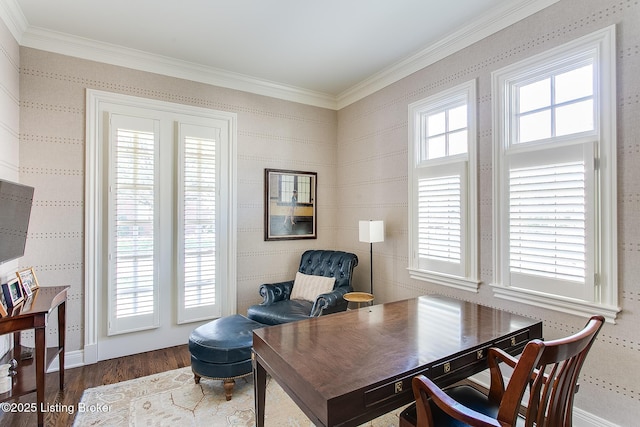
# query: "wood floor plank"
77,380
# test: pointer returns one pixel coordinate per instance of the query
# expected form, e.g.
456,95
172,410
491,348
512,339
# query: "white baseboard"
90,354
72,359
581,418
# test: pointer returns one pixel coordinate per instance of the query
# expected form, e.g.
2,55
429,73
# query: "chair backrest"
329,263
549,369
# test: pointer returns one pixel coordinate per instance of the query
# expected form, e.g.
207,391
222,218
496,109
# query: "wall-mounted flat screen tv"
15,211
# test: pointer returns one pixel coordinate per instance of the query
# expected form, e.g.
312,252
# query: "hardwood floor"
105,372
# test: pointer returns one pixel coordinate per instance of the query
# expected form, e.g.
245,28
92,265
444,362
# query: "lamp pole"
371,265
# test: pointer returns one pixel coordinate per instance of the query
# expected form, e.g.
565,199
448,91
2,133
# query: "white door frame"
95,101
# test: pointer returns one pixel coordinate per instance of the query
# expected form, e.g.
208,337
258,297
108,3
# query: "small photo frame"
26,291
29,280
13,293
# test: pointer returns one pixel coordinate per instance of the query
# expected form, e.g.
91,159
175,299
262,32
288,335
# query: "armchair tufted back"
327,263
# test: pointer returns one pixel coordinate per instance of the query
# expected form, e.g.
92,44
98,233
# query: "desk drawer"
390,390
512,344
466,361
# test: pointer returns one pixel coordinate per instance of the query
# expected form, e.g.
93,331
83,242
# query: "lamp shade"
371,231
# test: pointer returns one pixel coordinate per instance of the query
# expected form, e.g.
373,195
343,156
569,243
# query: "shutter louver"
439,218
134,197
199,222
548,221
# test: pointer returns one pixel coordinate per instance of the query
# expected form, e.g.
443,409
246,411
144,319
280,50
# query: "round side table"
358,298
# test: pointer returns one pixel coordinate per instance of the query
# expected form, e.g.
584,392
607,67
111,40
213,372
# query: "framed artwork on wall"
289,204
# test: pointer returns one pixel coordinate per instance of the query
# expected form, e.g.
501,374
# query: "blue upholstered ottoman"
221,349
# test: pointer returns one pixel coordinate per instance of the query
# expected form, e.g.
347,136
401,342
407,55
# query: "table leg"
62,317
259,387
17,346
40,354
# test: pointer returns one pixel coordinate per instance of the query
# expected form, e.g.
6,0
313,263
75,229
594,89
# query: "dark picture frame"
13,293
290,204
3,305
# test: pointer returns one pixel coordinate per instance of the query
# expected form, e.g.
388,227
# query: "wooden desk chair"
548,369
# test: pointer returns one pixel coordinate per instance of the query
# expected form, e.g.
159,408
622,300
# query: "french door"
163,226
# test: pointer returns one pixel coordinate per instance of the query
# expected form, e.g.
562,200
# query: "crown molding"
65,44
13,18
484,26
78,47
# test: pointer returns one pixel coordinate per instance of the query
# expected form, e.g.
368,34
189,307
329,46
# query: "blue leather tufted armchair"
276,306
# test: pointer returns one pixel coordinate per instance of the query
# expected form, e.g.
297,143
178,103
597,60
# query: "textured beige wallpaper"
372,177
9,132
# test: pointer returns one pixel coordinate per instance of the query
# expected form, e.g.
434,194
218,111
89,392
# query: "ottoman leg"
228,388
196,378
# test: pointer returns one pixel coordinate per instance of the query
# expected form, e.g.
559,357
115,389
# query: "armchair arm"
494,357
424,388
330,302
495,353
274,292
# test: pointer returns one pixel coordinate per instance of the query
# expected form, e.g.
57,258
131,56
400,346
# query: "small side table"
359,298
32,372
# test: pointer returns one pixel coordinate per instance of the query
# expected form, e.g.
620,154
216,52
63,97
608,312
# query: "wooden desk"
348,368
34,315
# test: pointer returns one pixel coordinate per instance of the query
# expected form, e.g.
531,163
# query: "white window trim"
606,291
470,281
94,217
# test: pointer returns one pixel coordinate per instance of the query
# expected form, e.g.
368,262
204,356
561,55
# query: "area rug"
173,399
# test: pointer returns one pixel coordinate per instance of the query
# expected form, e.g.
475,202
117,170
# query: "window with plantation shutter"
133,304
554,166
441,222
550,210
442,186
439,218
551,225
547,229
197,223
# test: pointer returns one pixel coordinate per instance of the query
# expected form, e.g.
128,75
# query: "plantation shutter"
197,221
550,221
133,299
441,219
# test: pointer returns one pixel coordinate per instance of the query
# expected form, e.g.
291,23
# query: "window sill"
457,282
551,302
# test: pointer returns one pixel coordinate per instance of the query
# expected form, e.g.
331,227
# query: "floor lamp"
371,232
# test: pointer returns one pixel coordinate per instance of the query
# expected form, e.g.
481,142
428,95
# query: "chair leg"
228,388
196,378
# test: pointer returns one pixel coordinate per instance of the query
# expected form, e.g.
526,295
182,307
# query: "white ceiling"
329,49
